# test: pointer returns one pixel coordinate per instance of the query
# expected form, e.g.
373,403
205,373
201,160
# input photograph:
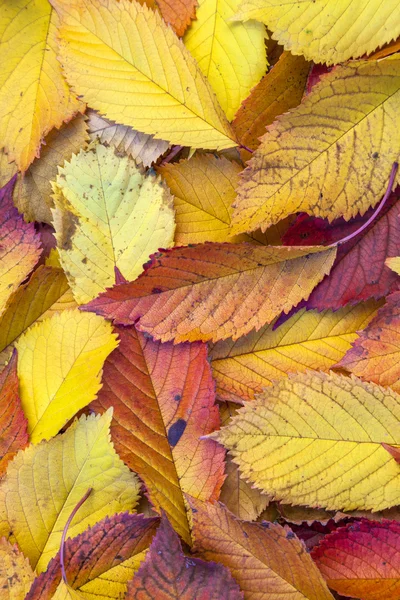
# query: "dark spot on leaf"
84,260
156,290
69,224
175,432
177,397
375,155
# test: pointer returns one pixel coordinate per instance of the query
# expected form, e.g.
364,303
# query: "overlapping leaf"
231,55
281,89
178,13
34,96
167,574
159,88
16,575
108,214
308,340
101,560
394,264
67,351
163,399
360,270
362,560
13,423
267,560
328,31
44,483
19,246
214,291
375,355
141,147
315,439
332,155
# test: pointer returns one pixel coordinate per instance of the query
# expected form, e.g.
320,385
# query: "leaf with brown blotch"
13,423
359,271
375,355
178,13
279,90
362,560
19,248
16,575
214,291
268,561
163,399
167,574
101,560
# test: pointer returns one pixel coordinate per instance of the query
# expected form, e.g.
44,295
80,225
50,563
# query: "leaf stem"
65,530
246,148
375,213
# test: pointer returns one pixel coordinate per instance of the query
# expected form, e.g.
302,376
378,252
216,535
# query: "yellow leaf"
308,340
16,575
132,68
108,214
316,439
66,592
204,189
60,363
231,55
394,264
45,482
332,155
32,194
141,147
326,31
34,96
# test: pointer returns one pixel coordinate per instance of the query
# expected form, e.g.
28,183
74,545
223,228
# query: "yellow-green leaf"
394,264
34,96
66,592
327,31
231,55
60,363
316,439
131,67
45,482
16,575
332,155
108,214
308,340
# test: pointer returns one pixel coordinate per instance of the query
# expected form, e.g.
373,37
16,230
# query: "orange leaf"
178,13
13,423
163,399
167,574
268,561
213,291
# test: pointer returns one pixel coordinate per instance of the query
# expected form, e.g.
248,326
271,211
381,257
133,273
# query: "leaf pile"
199,300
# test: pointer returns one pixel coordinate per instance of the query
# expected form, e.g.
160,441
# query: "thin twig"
64,533
171,154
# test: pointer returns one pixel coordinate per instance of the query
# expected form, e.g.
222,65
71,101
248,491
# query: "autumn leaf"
167,573
13,423
214,291
312,159
16,575
325,31
32,194
315,439
42,487
107,214
163,399
375,354
19,249
279,90
394,264
141,147
160,97
231,55
308,340
34,97
267,560
65,592
178,13
101,560
360,270
361,560
242,499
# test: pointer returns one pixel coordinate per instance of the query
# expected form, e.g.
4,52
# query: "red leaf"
359,271
168,574
362,560
395,452
13,423
93,553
